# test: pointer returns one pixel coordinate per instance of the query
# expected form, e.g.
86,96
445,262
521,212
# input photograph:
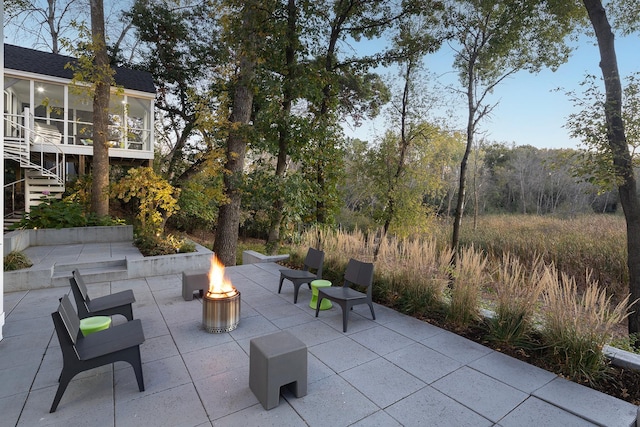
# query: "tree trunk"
324,116
621,157
51,23
471,120
226,235
100,172
273,239
405,141
476,198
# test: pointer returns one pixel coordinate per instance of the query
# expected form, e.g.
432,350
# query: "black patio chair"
80,353
358,273
117,303
313,261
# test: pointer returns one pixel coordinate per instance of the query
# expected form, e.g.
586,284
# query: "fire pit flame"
219,285
221,304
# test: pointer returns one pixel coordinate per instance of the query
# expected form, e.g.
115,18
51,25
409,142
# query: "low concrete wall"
19,240
253,257
134,268
69,236
28,279
169,264
39,277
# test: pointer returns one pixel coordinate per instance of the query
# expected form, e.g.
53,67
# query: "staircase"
43,169
39,186
12,219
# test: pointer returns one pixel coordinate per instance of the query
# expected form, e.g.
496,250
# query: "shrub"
627,343
198,208
154,197
151,245
61,213
577,326
16,261
418,273
79,191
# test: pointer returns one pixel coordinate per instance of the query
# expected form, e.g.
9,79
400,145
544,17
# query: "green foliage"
257,203
60,213
79,191
189,69
507,36
595,161
626,343
16,261
86,75
152,194
198,204
374,181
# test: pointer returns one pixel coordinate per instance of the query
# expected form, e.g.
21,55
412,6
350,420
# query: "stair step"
9,222
92,272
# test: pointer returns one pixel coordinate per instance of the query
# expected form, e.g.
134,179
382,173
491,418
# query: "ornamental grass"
469,277
517,293
416,276
410,274
576,326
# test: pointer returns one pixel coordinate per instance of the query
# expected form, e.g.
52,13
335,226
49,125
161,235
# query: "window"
49,105
138,123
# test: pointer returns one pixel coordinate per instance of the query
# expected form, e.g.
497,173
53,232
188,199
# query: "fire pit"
221,304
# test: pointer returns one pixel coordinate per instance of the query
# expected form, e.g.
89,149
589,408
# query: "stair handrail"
58,166
57,171
11,185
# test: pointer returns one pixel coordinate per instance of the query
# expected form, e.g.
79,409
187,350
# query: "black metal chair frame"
358,273
314,260
80,353
108,305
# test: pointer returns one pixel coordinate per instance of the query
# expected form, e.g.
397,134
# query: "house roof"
51,64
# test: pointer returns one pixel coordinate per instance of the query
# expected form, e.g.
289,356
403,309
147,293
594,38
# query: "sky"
529,110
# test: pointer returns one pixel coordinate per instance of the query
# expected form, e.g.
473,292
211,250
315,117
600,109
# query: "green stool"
93,324
325,304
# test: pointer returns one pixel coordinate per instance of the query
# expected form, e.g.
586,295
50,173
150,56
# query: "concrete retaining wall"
169,264
131,267
19,240
253,257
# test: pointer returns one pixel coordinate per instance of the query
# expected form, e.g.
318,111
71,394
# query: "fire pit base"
220,315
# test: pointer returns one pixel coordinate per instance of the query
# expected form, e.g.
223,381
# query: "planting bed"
620,382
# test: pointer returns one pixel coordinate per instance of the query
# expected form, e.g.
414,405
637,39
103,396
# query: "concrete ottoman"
194,281
277,360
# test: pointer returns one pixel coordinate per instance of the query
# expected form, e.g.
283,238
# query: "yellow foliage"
156,198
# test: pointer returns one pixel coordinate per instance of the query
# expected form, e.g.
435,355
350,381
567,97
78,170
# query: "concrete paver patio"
393,371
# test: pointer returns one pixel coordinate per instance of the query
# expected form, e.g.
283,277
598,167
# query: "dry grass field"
574,245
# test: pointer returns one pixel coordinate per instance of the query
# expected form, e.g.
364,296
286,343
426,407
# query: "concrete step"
92,272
